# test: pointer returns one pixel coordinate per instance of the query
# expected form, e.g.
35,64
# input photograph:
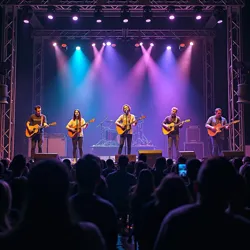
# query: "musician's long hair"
74,116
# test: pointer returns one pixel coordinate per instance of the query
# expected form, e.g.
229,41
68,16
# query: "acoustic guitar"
219,128
77,130
172,126
122,131
32,130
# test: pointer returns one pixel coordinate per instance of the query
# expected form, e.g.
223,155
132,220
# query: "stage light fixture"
171,10
93,44
108,43
3,94
198,10
64,46
98,14
104,44
137,45
51,11
27,14
78,48
113,45
125,14
152,44
141,43
75,10
147,14
191,43
182,46
169,47
218,14
54,44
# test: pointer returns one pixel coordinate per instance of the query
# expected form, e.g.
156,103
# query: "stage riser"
102,151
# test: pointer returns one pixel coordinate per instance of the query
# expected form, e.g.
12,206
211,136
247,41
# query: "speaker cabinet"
152,155
58,145
44,146
54,143
188,154
247,150
130,157
46,156
231,154
197,147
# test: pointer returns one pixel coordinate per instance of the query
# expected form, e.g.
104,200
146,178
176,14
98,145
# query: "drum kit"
110,138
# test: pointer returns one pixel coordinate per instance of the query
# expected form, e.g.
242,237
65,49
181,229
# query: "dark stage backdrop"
113,85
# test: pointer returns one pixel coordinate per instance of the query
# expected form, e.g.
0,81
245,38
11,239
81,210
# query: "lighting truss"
134,5
122,33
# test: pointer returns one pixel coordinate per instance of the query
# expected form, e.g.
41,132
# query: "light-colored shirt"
213,121
126,120
77,124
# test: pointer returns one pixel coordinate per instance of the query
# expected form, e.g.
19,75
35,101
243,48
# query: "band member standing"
37,119
173,137
123,121
217,140
77,124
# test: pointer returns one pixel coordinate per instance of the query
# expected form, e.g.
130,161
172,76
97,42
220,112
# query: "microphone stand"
102,132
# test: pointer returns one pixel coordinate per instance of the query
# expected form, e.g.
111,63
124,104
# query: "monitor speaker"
232,154
130,157
46,156
188,154
152,155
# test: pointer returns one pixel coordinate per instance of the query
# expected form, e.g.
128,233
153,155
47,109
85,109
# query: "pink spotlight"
151,44
191,43
171,17
75,18
104,44
98,20
54,44
125,20
108,43
141,43
148,20
93,44
168,47
198,17
50,17
26,21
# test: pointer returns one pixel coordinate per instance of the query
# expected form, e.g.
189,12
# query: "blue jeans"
217,145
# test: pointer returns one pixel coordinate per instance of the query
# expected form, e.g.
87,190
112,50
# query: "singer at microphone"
126,121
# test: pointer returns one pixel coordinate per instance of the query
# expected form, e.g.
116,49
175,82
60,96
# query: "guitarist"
76,123
37,119
174,135
217,140
123,122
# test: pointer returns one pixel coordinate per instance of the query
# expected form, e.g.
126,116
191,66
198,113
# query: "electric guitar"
122,131
219,128
77,130
172,126
32,130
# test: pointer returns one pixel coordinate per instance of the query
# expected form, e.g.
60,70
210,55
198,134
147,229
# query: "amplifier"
193,134
57,143
44,146
197,147
53,144
247,150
